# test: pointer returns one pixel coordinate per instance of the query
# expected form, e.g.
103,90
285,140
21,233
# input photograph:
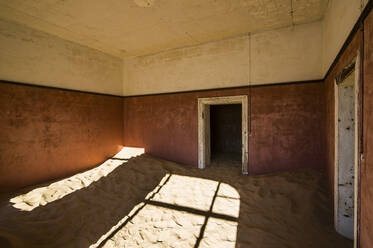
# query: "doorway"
226,134
211,138
346,150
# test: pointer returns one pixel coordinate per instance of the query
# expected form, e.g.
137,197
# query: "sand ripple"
148,202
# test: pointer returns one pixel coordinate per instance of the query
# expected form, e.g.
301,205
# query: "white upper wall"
282,55
31,56
287,55
301,52
217,64
339,19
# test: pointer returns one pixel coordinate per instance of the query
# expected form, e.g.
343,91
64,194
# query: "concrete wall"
49,133
287,126
339,19
34,57
283,55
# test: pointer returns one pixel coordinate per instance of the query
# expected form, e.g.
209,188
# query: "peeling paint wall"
366,170
34,57
339,19
345,59
287,127
277,142
366,177
283,55
48,133
345,157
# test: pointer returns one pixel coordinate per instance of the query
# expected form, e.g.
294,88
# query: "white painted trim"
357,156
204,152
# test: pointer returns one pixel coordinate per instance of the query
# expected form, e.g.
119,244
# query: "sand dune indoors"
148,202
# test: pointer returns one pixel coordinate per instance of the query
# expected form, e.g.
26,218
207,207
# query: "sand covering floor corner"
148,202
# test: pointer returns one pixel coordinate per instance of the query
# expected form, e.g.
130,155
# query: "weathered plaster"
218,64
283,55
47,133
35,57
346,154
276,142
139,27
339,19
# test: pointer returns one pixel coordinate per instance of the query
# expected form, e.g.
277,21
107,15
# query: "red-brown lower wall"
49,133
366,223
287,126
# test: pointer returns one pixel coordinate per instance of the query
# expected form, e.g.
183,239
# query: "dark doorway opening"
226,134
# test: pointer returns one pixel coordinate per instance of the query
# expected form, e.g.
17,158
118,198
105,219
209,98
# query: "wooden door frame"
356,61
204,146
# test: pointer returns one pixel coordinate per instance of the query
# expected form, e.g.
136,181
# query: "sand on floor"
149,202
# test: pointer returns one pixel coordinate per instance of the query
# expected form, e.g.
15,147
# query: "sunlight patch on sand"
182,211
227,201
289,209
131,214
223,231
129,152
156,226
188,192
57,190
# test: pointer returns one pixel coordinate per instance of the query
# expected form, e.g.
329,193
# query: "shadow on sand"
283,210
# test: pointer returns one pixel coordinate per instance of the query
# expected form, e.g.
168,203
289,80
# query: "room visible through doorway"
226,134
222,130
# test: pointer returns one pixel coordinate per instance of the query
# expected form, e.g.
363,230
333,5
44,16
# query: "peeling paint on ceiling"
139,27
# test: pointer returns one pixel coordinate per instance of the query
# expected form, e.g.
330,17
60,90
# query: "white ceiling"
126,28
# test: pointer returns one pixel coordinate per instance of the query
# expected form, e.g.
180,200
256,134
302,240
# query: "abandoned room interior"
186,123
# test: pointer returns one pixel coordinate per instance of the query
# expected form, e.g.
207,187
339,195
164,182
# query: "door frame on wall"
204,140
355,67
